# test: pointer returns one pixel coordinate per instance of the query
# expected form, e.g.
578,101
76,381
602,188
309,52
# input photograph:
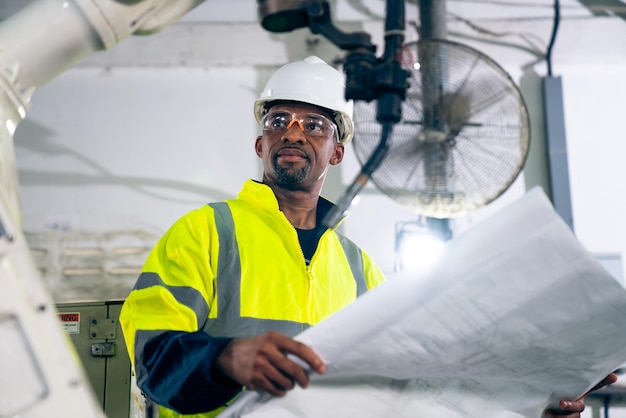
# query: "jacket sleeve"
181,374
373,275
163,317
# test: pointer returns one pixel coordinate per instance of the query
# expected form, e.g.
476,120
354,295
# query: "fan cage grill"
464,134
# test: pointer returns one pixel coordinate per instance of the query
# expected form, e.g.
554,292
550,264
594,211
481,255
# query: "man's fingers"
263,383
281,372
293,371
566,409
285,371
263,362
572,406
266,377
305,353
611,378
279,375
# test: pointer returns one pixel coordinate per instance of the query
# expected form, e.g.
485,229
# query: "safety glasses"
314,125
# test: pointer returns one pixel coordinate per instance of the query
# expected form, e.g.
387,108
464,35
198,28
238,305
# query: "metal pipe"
433,26
432,19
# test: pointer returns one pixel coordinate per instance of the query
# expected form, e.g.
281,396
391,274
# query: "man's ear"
258,146
337,156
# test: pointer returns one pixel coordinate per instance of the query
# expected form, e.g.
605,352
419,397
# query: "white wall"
136,146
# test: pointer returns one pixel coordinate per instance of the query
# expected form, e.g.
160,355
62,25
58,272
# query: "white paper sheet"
515,316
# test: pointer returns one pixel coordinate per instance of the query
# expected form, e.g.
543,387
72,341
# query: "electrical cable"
544,5
523,35
510,3
365,9
537,53
555,28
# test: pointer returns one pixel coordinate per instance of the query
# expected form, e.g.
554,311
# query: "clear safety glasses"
314,125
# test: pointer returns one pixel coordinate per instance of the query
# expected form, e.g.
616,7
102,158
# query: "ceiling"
482,9
513,32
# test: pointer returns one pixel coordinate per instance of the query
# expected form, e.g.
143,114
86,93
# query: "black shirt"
308,241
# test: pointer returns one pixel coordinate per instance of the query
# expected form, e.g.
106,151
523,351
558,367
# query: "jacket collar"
261,195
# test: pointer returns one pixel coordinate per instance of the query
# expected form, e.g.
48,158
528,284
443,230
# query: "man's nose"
294,134
293,122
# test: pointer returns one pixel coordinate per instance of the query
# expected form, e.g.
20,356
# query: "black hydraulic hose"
391,79
555,28
332,218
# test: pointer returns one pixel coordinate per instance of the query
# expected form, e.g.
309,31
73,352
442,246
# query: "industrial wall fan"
463,137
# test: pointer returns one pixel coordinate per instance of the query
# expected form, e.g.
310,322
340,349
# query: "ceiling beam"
607,8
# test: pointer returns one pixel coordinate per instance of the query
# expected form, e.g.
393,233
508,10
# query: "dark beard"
288,176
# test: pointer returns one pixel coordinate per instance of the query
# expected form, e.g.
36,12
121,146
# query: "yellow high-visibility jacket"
233,269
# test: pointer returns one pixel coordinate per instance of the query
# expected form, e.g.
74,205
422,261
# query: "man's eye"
279,123
313,126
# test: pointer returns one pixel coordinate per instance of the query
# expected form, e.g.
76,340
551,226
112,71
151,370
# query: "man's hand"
572,409
261,362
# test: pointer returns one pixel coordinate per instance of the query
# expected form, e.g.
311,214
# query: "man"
227,286
225,289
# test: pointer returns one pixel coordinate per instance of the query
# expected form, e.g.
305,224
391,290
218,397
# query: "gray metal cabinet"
95,331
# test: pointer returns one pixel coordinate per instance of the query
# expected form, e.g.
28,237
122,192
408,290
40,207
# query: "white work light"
418,244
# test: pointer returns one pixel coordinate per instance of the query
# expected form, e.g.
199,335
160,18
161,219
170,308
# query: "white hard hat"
310,81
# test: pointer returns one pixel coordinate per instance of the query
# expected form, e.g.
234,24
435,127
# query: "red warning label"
70,321
69,317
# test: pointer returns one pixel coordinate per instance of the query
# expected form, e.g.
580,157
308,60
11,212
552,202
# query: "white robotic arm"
40,374
50,36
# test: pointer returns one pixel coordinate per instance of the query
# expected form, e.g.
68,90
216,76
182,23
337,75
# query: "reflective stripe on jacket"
236,269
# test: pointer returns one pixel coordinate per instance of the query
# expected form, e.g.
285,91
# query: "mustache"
291,147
